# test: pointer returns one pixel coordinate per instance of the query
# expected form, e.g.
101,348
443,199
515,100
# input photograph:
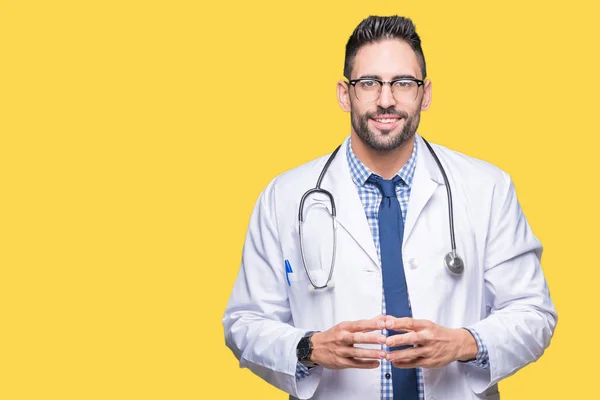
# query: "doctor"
391,298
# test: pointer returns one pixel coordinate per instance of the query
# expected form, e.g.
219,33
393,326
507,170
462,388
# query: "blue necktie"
391,230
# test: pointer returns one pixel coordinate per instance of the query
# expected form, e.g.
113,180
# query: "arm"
522,317
257,321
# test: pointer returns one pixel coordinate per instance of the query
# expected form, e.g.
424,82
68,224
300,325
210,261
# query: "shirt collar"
360,173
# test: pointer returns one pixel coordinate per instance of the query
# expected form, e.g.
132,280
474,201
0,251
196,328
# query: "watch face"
303,354
303,350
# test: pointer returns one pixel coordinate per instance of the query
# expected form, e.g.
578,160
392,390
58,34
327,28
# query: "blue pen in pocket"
288,271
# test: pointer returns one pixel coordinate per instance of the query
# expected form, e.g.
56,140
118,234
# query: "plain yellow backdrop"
135,137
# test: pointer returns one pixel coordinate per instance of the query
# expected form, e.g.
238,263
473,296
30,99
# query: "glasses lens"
405,91
367,90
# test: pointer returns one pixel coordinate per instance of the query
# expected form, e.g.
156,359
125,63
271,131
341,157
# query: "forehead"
386,59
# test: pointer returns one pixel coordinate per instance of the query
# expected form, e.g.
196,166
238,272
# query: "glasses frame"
353,83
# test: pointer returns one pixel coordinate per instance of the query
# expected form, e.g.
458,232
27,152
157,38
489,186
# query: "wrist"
304,350
468,348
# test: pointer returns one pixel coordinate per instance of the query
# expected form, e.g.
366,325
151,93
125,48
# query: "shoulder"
472,170
307,172
289,186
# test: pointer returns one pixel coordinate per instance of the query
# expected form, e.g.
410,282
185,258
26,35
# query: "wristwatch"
304,350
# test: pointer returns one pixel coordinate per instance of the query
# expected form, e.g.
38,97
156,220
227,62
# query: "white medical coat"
502,293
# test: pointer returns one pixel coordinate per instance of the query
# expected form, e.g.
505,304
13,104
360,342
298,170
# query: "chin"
386,141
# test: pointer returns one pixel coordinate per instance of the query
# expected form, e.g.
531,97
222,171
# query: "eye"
405,84
368,84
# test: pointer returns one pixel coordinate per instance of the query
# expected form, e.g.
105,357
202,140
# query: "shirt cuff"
302,371
482,360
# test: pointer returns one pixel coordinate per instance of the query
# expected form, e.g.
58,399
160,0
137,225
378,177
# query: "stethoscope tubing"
452,260
449,195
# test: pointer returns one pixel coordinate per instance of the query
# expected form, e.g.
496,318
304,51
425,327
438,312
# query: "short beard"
361,127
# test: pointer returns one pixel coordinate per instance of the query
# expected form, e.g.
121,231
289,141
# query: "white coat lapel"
425,182
350,212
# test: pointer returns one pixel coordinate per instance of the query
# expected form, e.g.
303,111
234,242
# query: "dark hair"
375,29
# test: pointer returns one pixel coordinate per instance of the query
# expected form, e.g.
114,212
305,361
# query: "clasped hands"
431,345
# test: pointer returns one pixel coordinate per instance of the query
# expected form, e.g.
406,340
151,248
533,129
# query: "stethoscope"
454,263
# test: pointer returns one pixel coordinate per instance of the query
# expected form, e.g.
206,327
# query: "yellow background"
137,135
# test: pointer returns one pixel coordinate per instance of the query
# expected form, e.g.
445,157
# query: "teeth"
386,121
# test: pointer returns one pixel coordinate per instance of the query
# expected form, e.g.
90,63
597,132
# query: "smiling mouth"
386,123
386,120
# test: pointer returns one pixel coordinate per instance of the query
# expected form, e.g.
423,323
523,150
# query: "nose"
386,98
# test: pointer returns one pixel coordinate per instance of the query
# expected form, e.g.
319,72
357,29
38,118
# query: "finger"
368,338
366,325
406,324
406,355
345,338
358,352
361,364
347,324
405,339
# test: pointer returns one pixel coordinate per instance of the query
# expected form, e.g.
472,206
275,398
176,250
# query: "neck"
384,163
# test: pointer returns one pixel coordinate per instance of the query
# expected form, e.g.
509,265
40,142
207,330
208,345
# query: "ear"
343,95
426,101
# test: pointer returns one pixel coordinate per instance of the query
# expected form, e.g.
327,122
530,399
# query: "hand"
334,348
436,346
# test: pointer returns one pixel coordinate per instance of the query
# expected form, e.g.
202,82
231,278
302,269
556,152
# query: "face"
385,124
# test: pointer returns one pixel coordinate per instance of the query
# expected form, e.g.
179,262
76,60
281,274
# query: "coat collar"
426,181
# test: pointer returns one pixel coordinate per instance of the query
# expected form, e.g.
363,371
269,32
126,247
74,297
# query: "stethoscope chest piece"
454,263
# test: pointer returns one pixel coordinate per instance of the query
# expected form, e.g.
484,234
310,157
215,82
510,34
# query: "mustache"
387,111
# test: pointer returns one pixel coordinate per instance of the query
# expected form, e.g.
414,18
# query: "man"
404,319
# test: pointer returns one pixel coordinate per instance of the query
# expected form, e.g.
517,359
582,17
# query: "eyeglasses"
404,90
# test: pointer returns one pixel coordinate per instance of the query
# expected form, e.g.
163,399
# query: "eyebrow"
396,77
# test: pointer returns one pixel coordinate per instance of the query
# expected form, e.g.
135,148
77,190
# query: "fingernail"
390,357
389,324
382,339
381,324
